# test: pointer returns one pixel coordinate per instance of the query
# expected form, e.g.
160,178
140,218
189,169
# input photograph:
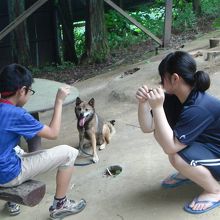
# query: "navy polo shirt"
196,120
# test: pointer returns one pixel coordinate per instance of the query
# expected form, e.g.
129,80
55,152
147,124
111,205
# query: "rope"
84,164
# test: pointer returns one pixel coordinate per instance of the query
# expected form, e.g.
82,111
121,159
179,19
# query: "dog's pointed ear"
92,102
78,101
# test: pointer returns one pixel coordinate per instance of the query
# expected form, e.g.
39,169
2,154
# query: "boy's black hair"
14,77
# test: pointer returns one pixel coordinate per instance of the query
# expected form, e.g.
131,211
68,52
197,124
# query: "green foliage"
122,33
118,29
210,8
99,57
79,33
180,4
183,18
152,19
216,23
114,21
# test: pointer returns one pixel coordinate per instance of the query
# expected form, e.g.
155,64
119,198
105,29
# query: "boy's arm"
52,130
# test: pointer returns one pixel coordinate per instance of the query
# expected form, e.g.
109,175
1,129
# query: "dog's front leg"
95,155
81,140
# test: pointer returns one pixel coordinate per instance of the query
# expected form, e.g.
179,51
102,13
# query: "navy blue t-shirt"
196,120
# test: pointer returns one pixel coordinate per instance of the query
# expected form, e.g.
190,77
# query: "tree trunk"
57,33
167,23
65,13
197,6
19,37
97,49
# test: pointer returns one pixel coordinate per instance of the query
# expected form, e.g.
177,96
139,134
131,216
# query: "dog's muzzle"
82,118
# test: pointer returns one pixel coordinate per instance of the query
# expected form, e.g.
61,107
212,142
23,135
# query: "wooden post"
133,21
34,143
167,23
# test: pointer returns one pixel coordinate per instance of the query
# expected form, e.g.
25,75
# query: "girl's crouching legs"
210,198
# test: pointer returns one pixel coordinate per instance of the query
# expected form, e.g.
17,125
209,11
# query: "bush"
216,23
122,33
79,33
184,19
210,8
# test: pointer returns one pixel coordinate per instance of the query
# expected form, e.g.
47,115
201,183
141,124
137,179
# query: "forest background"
104,39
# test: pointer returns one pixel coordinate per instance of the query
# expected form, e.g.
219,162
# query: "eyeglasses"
32,92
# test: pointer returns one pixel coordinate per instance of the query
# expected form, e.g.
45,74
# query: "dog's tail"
111,125
112,122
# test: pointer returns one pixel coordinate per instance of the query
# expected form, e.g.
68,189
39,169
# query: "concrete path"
136,193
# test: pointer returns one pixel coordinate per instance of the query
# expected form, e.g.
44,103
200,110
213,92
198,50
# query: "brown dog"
92,127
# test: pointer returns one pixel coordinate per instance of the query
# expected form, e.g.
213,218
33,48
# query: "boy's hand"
63,92
141,93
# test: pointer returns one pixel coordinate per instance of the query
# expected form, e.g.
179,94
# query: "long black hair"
14,77
183,64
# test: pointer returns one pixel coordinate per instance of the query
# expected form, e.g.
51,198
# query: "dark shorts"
200,154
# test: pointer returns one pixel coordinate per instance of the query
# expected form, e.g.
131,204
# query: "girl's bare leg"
202,177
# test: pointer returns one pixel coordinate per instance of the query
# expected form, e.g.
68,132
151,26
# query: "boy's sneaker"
12,208
69,207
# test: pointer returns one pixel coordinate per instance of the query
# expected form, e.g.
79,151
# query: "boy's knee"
71,152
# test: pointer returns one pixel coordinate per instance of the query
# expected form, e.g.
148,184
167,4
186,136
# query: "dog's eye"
87,109
79,109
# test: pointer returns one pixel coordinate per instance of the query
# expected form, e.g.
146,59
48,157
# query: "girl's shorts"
200,154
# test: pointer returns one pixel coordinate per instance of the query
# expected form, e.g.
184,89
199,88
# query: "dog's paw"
95,159
102,146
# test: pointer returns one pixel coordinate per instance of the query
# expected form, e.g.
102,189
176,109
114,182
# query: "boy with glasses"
15,90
